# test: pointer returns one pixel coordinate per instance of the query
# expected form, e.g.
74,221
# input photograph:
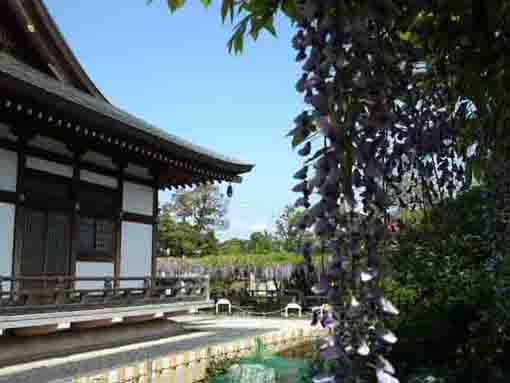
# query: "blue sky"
175,72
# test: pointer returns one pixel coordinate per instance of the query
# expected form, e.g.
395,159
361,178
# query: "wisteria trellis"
360,82
277,272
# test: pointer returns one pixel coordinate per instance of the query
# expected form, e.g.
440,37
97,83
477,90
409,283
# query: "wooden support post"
155,231
118,232
78,152
156,174
19,219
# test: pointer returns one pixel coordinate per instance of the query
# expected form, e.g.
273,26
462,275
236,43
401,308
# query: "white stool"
223,302
292,306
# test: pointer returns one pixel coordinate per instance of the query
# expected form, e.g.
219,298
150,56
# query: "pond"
263,366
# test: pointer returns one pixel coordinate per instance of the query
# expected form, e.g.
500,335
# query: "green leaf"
206,3
174,5
227,6
289,9
255,29
236,42
269,26
300,135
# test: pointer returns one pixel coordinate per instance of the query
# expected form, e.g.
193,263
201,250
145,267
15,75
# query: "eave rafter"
175,179
173,172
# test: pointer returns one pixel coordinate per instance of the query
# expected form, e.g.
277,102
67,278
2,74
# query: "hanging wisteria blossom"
358,98
385,377
388,336
363,349
388,307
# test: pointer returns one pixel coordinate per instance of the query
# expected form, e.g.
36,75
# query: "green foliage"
205,207
260,243
182,239
232,246
175,4
256,16
287,228
209,244
177,237
441,283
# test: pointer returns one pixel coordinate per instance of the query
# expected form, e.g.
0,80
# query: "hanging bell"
230,191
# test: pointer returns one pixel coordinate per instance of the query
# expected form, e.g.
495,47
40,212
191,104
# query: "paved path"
204,331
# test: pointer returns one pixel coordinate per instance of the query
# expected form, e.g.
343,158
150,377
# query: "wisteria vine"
360,80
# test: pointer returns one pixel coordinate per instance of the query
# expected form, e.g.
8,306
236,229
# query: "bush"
451,318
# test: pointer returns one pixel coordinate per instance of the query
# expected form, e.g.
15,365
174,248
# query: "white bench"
223,302
292,306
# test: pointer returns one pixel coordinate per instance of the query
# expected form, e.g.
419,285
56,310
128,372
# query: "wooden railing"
21,294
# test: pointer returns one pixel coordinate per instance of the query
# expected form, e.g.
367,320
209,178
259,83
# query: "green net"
263,366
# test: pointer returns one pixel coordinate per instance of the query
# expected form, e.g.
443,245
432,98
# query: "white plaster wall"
51,145
7,212
138,171
98,179
49,167
98,159
93,269
8,170
136,252
137,199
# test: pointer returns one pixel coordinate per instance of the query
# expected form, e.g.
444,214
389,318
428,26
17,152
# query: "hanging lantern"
230,191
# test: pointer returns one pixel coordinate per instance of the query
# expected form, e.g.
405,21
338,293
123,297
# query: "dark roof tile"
22,72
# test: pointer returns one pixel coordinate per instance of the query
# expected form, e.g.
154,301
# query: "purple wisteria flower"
331,353
323,286
385,377
388,336
363,349
388,307
385,365
328,320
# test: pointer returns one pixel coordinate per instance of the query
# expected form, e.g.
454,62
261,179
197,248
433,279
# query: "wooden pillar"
118,226
19,220
156,173
75,214
155,230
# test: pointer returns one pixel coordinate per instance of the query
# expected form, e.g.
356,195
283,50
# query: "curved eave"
29,83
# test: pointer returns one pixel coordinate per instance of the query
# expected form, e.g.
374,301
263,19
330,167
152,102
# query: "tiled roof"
9,66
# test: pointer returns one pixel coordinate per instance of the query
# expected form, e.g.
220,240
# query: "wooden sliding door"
32,253
58,241
46,244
